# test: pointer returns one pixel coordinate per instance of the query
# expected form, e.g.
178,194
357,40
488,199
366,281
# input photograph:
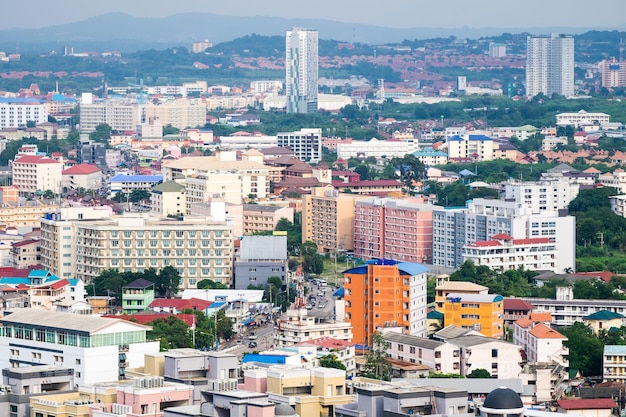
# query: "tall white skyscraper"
301,70
550,65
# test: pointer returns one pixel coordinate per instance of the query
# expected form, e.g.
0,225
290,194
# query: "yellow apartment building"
445,287
481,312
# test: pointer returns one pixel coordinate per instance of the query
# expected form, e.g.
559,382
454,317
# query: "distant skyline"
395,13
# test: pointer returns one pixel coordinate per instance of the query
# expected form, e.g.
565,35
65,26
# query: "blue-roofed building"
430,156
385,294
273,358
470,147
613,360
126,183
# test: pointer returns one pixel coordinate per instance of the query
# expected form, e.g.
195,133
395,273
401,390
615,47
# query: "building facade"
474,147
481,312
301,62
385,294
262,218
17,112
613,73
550,65
36,173
306,144
391,228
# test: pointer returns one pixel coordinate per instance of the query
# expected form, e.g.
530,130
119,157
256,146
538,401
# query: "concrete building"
26,253
328,219
127,183
480,312
85,176
295,326
261,218
137,296
376,148
36,173
393,228
17,112
266,86
544,195
220,176
259,258
505,253
301,62
306,144
454,228
614,363
121,114
550,65
581,117
613,73
445,287
497,50
92,153
473,147
58,236
385,294
604,320
540,342
247,142
430,157
181,113
98,349
168,199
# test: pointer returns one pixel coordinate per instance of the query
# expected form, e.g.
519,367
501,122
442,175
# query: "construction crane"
141,98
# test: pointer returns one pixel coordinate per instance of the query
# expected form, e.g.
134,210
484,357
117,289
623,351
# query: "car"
239,341
252,336
309,306
252,345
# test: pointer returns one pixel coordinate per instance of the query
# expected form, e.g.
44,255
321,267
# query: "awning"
247,321
339,292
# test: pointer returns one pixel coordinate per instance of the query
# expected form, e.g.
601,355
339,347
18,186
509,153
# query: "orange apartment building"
385,294
393,228
481,312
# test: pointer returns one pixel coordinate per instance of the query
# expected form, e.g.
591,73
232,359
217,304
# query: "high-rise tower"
301,70
550,65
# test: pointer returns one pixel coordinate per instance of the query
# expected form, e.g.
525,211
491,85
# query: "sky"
391,13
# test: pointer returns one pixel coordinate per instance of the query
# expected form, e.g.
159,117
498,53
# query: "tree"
376,365
224,326
171,332
167,282
479,373
331,361
364,171
109,282
101,134
585,349
207,284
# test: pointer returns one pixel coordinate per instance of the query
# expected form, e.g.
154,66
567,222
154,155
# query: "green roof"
434,314
603,315
168,187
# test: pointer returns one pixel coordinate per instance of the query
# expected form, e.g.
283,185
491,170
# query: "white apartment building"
497,50
17,112
475,147
197,247
551,142
33,173
181,113
376,148
551,195
168,199
454,228
98,349
540,342
301,74
459,355
550,65
306,144
581,117
266,86
121,115
618,204
58,238
615,179
504,252
246,142
295,326
220,176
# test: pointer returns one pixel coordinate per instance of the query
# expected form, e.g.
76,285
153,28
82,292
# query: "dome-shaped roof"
284,410
503,399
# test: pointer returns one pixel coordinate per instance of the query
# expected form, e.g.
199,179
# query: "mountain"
119,31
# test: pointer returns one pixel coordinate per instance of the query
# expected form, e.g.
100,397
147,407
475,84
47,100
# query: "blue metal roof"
469,137
409,268
269,359
20,100
412,268
135,178
339,293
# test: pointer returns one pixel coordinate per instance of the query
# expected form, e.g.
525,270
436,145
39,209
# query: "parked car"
252,345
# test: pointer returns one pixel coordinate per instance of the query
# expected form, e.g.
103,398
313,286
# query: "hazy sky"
390,13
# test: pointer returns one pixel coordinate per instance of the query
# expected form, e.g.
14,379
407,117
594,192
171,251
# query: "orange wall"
376,299
490,316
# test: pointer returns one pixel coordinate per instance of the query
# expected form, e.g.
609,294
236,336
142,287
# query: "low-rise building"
85,176
262,218
33,173
137,296
168,199
295,326
604,320
480,312
98,349
259,258
445,287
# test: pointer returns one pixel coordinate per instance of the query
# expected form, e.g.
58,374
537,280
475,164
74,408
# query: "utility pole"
601,239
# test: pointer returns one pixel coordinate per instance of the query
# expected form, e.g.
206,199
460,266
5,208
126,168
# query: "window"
494,353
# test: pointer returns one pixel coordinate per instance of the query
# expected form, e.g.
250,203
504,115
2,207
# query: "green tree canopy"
376,365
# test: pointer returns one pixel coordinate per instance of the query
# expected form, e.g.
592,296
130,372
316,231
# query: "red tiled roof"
81,169
587,403
25,242
524,322
502,236
485,243
33,159
531,241
7,271
328,342
179,304
541,331
367,183
147,318
517,304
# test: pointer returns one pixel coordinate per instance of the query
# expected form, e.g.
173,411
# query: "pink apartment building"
393,228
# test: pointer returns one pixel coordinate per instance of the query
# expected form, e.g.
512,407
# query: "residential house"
137,296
